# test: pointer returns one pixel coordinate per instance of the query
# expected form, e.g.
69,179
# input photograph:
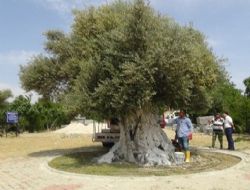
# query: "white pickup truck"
107,132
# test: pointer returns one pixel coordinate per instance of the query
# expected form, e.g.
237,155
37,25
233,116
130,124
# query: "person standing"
229,126
217,125
184,133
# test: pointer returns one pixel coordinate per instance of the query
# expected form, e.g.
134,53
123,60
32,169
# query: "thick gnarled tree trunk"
142,141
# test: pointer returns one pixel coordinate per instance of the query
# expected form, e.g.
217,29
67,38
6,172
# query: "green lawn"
84,163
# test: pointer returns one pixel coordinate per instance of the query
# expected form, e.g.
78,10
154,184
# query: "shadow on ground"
85,163
56,152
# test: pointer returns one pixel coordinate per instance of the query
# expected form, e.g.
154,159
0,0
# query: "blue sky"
224,22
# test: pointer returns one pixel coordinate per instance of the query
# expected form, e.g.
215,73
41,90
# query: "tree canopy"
121,58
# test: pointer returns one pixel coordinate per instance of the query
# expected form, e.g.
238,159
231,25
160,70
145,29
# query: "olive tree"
127,61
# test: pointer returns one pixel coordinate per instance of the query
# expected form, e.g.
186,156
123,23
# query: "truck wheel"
108,144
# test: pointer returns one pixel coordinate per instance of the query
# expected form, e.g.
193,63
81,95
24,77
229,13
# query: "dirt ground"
25,159
26,143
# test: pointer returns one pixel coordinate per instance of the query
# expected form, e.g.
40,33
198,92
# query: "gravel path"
33,173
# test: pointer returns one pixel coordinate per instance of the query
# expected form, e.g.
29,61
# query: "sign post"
12,117
12,122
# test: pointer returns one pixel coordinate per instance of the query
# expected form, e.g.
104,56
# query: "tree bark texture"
142,141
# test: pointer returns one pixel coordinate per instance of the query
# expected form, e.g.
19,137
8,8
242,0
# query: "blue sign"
12,117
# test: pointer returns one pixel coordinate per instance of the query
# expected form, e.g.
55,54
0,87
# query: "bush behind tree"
40,116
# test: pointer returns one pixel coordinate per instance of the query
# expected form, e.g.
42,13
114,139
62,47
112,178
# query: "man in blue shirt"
184,133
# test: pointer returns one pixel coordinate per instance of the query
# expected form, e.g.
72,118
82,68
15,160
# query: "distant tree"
49,115
43,115
247,103
247,85
226,97
4,96
22,105
124,60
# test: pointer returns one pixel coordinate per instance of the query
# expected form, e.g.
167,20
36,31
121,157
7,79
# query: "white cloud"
16,91
180,5
213,43
13,59
16,57
66,6
62,6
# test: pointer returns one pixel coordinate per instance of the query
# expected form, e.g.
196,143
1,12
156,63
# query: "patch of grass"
82,163
241,138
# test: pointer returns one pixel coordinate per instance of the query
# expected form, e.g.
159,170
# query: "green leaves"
121,58
227,98
247,84
39,116
4,95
